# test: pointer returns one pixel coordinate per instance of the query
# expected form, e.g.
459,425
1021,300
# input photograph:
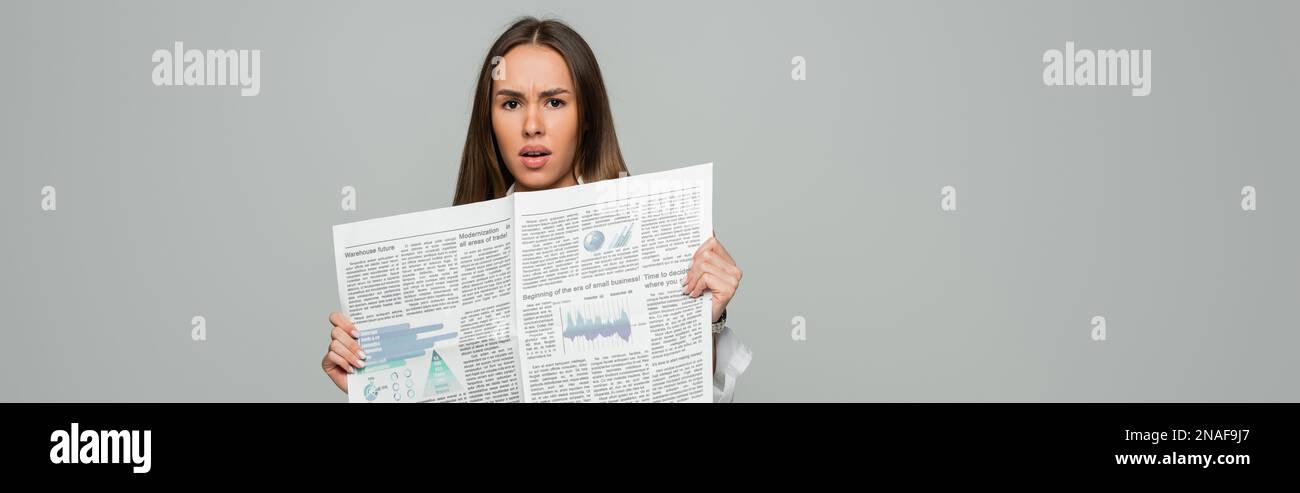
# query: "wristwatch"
721,323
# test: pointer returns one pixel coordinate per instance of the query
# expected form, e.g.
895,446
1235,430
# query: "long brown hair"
483,172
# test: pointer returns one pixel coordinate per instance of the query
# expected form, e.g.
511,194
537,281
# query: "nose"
533,126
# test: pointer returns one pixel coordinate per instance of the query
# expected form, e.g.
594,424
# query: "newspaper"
564,295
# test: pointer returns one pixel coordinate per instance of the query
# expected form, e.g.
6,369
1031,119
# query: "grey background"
1073,202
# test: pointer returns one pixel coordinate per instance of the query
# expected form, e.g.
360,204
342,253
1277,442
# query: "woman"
541,120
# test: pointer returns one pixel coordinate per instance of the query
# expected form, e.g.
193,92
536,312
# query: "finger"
718,263
725,272
709,281
703,249
724,259
712,245
720,283
340,361
692,273
340,320
701,256
713,251
343,361
347,354
711,263
349,339
692,276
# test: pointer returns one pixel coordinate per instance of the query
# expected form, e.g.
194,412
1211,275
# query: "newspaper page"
431,296
564,295
600,312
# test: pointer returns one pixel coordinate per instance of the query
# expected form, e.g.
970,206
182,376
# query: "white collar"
512,186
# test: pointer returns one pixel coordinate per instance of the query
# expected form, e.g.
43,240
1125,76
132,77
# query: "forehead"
531,68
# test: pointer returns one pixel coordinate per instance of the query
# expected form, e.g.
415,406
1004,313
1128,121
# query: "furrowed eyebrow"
552,92
544,94
510,94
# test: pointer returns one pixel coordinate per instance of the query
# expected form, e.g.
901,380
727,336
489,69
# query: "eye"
555,103
510,104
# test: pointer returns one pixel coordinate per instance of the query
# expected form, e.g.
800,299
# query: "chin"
533,180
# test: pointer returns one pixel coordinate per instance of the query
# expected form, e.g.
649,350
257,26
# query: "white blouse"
733,359
733,355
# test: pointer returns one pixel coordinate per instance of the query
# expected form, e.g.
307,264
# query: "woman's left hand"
712,268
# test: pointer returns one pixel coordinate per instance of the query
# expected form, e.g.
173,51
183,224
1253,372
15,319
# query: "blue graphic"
399,342
440,380
593,241
621,240
605,319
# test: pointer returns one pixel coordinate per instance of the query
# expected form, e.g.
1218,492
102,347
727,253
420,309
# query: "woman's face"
535,118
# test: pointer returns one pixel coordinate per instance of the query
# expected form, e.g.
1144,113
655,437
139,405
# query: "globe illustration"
593,241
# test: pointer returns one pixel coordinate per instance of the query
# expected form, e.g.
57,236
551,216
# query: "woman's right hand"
344,355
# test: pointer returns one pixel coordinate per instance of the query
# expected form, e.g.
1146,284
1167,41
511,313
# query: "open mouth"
534,157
